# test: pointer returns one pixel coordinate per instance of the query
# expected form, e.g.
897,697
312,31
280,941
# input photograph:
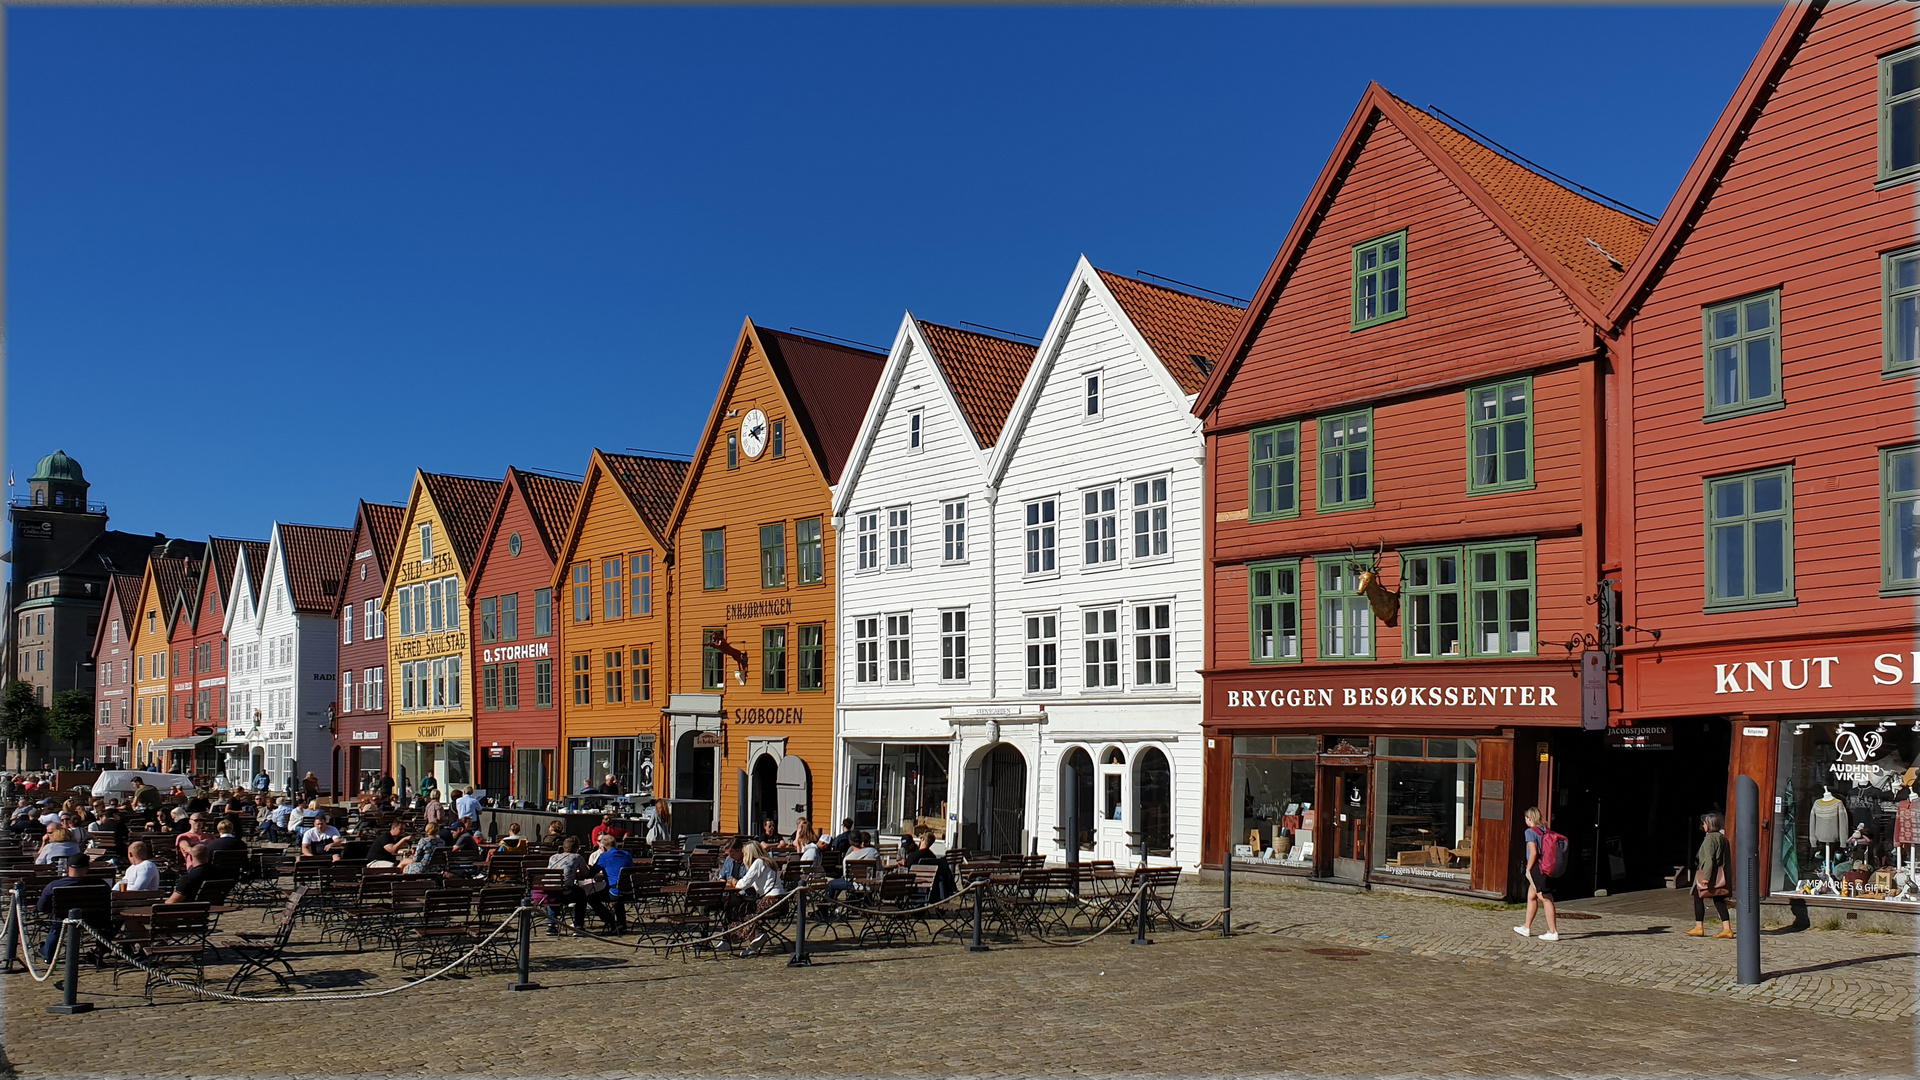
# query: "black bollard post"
13,929
1073,844
69,1004
1226,894
526,952
979,889
800,957
1747,880
1140,919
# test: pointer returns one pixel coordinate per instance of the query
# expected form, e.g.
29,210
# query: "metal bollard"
13,929
800,957
526,951
1747,880
979,890
1140,920
1226,895
69,1005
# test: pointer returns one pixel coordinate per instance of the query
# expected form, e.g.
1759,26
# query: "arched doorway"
1153,801
763,804
1076,796
1003,800
694,768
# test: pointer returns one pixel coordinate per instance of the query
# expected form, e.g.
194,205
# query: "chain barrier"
28,946
783,900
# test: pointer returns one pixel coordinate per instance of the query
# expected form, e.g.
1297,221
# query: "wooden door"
1348,817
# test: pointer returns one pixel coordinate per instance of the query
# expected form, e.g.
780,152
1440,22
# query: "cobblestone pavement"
1258,1004
1632,944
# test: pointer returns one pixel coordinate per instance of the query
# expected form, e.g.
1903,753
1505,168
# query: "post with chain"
979,890
1140,917
1747,880
69,1002
13,928
1226,894
525,959
800,957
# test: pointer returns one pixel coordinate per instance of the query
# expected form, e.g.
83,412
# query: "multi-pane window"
773,556
713,559
346,625
1100,641
543,684
426,543
1379,280
1346,460
542,612
1153,644
1273,603
419,609
1502,606
1743,355
489,619
773,658
613,600
376,619
813,657
953,531
1100,525
1040,536
439,674
1346,622
867,531
490,686
1149,518
582,678
900,648
1430,603
1274,488
1092,396
899,549
1900,518
810,550
777,440
1900,114
1043,652
953,646
1500,436
1750,539
866,650
376,689
915,427
434,591
510,686
1900,283
640,574
510,617
616,676
643,674
713,670
582,593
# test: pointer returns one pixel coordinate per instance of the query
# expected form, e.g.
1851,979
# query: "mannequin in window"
1827,825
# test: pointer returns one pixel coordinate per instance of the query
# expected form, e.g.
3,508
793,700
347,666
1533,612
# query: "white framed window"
1100,639
953,645
376,689
1040,536
346,691
1150,518
916,421
1153,645
900,648
1100,524
346,625
376,620
866,649
453,681
867,529
899,550
1043,651
426,543
1092,394
953,524
439,684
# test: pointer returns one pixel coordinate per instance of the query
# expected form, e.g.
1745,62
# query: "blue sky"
264,262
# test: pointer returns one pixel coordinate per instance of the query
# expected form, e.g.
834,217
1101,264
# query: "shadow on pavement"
1855,962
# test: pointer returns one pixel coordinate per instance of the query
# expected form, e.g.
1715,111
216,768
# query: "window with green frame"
1273,611
1500,579
773,658
1275,481
1379,280
1900,519
773,556
1346,460
1743,355
1900,285
810,551
1346,620
1500,436
1900,114
813,652
1471,600
1430,603
713,663
713,558
1750,540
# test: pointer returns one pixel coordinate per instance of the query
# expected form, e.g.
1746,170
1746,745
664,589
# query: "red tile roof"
1565,222
317,557
1178,326
829,386
550,500
383,521
465,503
223,552
652,483
985,373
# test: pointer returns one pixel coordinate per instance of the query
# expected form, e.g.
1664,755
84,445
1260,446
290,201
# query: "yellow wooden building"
151,643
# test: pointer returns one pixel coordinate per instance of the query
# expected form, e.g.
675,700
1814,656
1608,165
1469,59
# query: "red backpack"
1553,852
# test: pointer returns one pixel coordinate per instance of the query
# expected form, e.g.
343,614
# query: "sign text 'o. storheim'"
1365,697
506,654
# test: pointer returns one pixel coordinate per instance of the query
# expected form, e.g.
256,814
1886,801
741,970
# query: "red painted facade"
360,719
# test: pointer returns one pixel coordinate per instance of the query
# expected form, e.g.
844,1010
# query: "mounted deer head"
1385,605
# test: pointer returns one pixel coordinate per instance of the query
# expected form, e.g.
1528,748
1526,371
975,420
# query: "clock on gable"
753,434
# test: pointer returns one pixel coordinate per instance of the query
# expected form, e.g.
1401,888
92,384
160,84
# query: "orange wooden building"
751,718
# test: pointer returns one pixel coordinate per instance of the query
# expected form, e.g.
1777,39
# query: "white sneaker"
1551,935
1523,931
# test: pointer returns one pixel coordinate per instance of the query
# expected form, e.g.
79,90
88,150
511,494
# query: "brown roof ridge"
126,593
550,501
1179,326
651,483
466,505
316,559
383,522
829,386
984,372
170,574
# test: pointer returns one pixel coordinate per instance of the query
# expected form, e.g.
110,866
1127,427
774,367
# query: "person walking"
1539,885
1712,877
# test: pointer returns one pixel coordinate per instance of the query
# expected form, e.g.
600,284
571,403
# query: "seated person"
143,874
420,858
731,864
322,839
607,827
555,837
226,839
769,837
59,844
389,849
859,850
514,843
187,889
612,861
76,875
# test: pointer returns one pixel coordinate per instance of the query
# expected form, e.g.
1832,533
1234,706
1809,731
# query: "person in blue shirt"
261,781
466,805
613,860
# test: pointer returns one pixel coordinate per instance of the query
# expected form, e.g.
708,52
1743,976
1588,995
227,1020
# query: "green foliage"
22,718
71,718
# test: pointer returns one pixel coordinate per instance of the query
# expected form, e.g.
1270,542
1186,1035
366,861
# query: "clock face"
753,433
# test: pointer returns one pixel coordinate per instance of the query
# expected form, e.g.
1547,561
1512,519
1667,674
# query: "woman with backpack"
1540,874
1712,878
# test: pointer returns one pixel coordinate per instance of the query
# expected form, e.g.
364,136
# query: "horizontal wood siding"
362,655
528,727
608,526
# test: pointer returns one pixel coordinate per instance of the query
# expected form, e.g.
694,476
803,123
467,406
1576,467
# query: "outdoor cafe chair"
260,952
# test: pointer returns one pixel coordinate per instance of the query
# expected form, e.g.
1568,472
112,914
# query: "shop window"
1743,355
1346,461
1379,280
1500,436
1847,809
1273,785
773,659
813,657
1750,540
1424,826
773,556
1153,801
810,550
1346,621
897,787
1900,519
1274,487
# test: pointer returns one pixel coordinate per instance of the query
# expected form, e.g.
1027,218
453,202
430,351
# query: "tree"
22,718
71,719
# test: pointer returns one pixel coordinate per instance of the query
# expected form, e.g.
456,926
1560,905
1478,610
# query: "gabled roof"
223,553
382,522
465,504
650,485
983,371
550,499
170,574
1783,42
316,559
1178,326
1549,222
126,594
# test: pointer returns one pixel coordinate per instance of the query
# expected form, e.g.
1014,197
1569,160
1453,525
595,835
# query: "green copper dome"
58,466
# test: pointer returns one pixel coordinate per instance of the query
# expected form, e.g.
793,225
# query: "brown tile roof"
1178,326
465,504
550,499
383,521
652,483
170,575
126,592
317,558
829,386
1565,222
223,552
984,371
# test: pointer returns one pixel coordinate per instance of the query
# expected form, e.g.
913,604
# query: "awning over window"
164,745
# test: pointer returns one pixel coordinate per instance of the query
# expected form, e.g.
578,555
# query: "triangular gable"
464,505
651,487
315,559
122,601
249,569
381,523
1187,332
550,502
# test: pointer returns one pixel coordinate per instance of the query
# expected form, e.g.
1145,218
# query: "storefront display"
1424,827
628,760
898,786
1273,781
1847,808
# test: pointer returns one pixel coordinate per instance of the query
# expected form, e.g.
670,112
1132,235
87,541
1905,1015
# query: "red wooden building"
113,670
1406,467
200,648
515,642
1769,503
360,718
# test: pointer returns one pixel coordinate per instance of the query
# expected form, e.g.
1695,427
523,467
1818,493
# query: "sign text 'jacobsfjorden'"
1398,697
